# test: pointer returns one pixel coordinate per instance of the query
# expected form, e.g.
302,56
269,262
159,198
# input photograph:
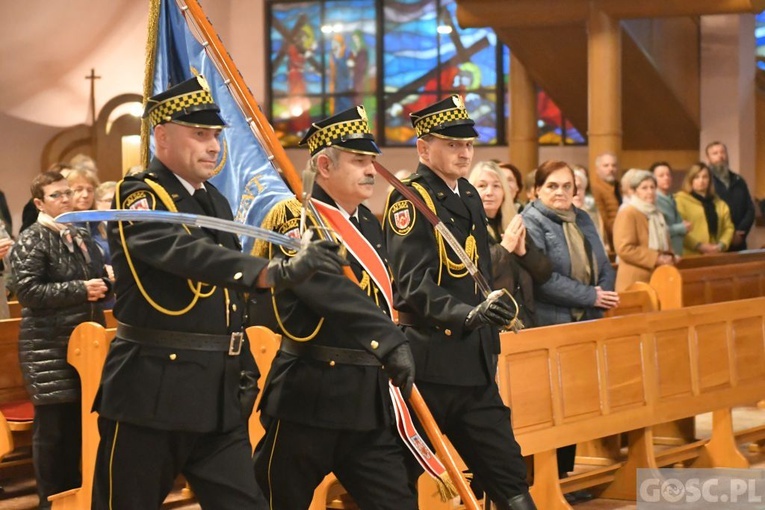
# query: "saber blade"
195,220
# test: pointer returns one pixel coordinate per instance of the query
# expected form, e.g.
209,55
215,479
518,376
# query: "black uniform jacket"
444,351
311,392
168,388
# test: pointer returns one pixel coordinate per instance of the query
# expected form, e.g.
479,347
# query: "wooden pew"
87,351
578,382
704,280
639,297
678,286
16,413
15,309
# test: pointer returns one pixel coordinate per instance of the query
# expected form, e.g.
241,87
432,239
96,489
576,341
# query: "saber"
195,220
439,225
516,324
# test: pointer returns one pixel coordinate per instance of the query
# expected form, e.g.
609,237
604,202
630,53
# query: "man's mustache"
367,180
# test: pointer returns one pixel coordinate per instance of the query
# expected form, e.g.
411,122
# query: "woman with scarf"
60,278
641,237
711,225
517,264
582,283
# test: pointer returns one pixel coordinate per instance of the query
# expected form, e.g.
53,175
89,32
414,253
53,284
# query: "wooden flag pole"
265,133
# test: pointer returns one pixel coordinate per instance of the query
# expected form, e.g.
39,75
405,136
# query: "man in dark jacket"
451,328
326,404
732,189
179,381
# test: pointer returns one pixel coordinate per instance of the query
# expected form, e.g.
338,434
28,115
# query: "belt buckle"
235,344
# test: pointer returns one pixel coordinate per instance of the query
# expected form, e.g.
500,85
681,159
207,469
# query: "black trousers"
57,448
292,459
477,423
137,466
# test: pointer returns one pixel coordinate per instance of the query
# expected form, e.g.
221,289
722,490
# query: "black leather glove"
492,312
248,392
316,256
399,365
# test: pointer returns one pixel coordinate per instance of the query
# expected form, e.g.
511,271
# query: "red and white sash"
370,260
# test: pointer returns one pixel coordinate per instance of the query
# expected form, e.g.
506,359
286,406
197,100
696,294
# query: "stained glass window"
759,35
394,57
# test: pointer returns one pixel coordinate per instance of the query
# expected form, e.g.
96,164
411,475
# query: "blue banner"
246,177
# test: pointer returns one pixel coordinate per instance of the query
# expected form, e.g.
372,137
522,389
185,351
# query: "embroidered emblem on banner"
401,217
139,201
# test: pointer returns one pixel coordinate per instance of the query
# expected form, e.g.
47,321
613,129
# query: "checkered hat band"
165,110
334,133
437,120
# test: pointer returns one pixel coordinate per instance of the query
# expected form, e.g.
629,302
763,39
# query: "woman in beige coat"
641,238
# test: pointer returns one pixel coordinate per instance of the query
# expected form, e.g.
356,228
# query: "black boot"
519,502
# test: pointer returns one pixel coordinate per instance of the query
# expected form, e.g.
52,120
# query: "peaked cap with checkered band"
348,130
189,103
447,118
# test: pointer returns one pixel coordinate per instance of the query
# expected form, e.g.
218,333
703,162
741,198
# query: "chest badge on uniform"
290,228
401,217
139,201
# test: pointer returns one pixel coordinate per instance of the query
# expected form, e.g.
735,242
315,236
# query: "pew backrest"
11,381
638,298
678,287
577,382
263,344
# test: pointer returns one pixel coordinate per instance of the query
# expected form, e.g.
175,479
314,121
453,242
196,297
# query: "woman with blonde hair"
83,183
517,263
711,225
641,237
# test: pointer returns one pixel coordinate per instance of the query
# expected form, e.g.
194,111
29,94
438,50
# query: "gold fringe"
148,78
275,217
446,489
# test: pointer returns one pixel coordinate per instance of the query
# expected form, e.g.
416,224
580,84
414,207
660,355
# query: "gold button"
173,356
448,332
374,344
233,307
332,363
238,276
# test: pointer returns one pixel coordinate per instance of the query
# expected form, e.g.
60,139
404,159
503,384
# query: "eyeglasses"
58,194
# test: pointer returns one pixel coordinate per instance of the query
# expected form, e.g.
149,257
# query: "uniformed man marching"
451,328
326,403
179,381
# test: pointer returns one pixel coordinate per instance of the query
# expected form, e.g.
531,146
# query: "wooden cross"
92,77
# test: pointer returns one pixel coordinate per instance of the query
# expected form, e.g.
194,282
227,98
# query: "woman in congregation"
514,184
676,225
584,200
60,278
711,229
582,283
641,238
517,263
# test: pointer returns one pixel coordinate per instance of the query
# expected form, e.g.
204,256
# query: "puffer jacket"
558,295
54,300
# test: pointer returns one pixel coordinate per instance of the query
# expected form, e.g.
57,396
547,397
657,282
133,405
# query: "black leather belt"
329,355
231,344
410,319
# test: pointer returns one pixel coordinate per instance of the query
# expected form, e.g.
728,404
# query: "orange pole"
434,434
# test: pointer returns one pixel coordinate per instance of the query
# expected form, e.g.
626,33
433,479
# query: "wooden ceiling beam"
539,13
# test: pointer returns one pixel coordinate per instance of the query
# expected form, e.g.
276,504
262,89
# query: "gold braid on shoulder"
276,218
196,288
454,269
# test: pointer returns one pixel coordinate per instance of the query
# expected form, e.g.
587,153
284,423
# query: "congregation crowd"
179,382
